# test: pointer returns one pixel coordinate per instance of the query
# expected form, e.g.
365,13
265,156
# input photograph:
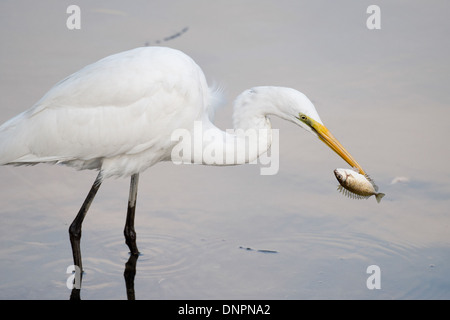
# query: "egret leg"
129,232
75,227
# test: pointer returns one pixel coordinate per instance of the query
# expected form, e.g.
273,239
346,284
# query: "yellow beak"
326,136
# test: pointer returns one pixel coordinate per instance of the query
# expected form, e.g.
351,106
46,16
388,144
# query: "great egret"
117,116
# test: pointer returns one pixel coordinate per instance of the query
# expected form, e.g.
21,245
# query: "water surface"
383,93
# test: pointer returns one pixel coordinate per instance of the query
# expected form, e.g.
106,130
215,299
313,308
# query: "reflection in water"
129,274
164,257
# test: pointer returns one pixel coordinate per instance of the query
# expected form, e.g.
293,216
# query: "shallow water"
192,266
205,251
230,233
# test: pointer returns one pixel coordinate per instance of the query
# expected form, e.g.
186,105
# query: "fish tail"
379,196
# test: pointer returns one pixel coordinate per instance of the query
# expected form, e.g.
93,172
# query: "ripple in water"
334,266
164,255
294,266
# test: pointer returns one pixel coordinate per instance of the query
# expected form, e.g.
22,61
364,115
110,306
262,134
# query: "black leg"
75,231
129,232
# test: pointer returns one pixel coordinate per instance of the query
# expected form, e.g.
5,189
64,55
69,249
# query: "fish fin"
375,187
378,196
372,182
350,194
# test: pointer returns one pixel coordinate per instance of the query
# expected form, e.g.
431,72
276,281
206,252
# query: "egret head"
301,111
291,105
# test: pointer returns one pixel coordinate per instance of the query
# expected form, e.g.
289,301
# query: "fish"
357,186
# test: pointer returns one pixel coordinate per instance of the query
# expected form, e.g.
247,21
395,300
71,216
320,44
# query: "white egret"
117,116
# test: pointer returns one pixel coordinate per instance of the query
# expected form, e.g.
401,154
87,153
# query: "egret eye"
303,117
